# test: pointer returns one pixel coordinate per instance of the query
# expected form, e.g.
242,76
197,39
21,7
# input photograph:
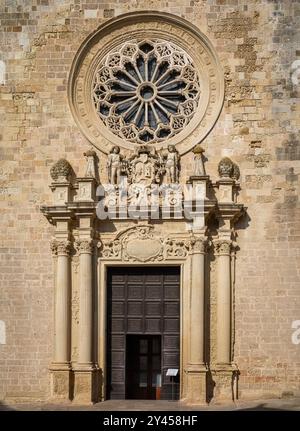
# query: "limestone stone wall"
258,46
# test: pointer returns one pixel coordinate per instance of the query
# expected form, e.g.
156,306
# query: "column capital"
199,244
61,247
223,246
84,246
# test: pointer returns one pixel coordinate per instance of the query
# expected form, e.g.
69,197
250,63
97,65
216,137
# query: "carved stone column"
60,367
85,249
223,252
229,211
196,369
223,372
84,370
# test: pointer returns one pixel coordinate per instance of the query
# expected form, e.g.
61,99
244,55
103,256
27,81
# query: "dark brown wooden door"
143,301
143,367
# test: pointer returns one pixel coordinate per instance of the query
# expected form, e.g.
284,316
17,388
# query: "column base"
61,381
224,377
87,388
196,384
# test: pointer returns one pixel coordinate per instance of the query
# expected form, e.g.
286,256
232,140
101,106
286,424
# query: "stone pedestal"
86,189
86,385
225,190
61,382
196,384
225,380
202,182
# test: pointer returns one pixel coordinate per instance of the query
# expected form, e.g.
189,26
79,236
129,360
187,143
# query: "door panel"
142,301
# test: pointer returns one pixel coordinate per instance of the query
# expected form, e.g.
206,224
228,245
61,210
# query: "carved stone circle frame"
141,26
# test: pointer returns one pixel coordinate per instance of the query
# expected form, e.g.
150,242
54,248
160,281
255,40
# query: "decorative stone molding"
61,171
199,244
120,43
142,244
61,248
112,249
223,246
84,246
177,248
75,307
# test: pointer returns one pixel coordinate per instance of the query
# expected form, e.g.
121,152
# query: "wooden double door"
143,332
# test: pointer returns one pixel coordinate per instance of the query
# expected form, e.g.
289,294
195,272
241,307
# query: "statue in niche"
199,169
90,156
172,164
114,165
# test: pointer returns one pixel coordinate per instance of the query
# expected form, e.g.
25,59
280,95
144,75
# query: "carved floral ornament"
61,248
84,246
223,246
146,78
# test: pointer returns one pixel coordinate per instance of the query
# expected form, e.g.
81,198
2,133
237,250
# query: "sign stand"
172,373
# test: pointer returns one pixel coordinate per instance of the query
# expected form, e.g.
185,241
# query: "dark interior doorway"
143,367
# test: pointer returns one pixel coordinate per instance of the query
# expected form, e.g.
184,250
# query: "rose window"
146,91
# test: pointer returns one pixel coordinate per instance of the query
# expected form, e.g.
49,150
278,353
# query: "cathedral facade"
149,179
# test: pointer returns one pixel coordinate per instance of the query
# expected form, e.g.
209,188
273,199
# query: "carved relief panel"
142,244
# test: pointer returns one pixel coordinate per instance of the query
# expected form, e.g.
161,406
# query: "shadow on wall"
243,222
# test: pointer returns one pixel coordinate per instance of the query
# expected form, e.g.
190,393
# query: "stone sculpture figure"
114,165
172,164
90,156
199,169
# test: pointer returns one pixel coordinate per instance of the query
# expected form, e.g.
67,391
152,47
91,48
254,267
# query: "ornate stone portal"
152,84
84,248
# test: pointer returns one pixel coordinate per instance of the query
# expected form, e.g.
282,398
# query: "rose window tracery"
146,91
